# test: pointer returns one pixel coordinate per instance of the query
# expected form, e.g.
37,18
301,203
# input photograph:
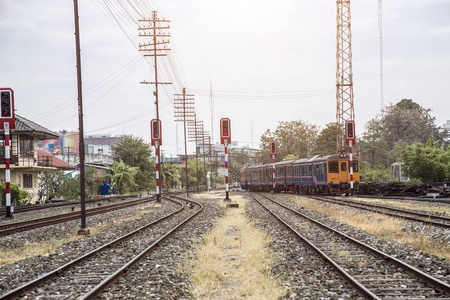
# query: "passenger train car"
326,174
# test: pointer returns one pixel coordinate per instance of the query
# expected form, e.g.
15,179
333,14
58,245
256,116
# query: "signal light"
156,131
349,131
225,130
7,108
273,149
6,104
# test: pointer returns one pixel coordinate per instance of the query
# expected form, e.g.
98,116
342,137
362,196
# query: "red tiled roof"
55,162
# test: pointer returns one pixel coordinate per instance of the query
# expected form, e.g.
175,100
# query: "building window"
26,146
27,181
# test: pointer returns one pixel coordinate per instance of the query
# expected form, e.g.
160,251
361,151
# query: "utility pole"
83,229
155,31
193,133
184,111
380,26
344,74
211,98
68,154
210,158
204,154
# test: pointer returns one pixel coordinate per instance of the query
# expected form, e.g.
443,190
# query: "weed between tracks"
233,261
385,227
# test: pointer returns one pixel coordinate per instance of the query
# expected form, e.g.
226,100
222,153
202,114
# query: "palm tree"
122,176
170,175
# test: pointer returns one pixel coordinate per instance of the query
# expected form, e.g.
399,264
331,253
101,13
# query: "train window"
318,170
343,166
333,166
310,170
355,166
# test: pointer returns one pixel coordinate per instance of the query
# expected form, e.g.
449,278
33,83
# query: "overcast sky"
267,61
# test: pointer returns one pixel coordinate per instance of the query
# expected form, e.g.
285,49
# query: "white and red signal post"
7,122
156,140
273,155
225,139
350,141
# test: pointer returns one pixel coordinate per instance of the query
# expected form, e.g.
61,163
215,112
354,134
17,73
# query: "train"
320,174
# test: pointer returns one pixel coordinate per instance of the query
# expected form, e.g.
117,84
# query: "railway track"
15,227
372,273
88,275
408,214
41,206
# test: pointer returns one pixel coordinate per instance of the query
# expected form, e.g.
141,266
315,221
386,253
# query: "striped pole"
7,173
158,194
226,171
351,163
273,171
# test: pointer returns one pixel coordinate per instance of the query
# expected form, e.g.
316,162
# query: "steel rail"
52,274
40,206
360,288
119,273
440,285
12,228
372,207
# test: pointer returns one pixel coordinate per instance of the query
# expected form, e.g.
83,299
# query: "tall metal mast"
344,75
380,26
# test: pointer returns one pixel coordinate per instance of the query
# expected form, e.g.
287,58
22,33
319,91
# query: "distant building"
447,125
27,161
97,147
100,143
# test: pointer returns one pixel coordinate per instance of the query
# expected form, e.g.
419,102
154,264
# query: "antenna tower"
344,75
380,26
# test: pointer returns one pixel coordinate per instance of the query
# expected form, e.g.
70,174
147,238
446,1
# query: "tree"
122,177
237,160
405,121
56,184
50,184
192,174
169,175
135,152
326,140
295,137
429,162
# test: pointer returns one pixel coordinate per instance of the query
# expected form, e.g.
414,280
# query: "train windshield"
333,166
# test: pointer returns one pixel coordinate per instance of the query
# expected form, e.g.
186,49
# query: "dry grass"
233,261
51,245
380,225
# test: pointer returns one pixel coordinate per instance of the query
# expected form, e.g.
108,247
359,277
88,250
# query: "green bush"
20,196
375,173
